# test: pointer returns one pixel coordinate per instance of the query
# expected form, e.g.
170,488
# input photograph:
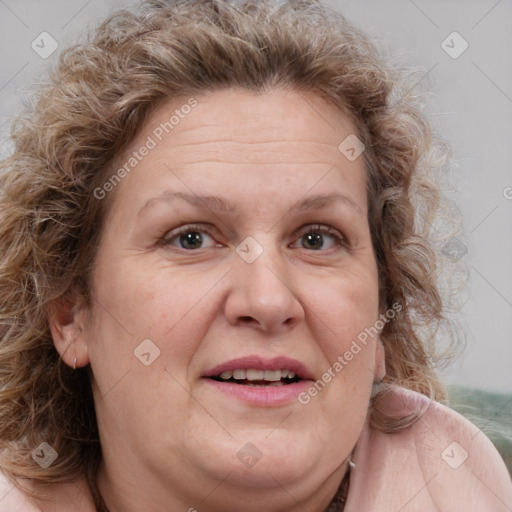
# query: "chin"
257,459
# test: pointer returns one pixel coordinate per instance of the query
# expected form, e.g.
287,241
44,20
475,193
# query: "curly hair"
89,110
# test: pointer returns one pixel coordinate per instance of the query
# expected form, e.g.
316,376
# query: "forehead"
239,116
237,142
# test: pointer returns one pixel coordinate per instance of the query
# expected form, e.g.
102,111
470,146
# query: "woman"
215,290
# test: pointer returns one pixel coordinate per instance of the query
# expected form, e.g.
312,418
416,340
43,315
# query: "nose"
262,295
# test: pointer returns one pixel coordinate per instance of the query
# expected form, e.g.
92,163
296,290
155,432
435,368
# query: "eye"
318,237
189,238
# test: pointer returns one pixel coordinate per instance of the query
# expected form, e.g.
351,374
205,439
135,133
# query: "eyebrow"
219,204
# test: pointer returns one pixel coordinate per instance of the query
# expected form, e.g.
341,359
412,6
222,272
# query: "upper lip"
260,363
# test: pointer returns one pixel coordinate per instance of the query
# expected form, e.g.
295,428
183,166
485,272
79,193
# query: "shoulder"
12,499
464,459
442,462
60,497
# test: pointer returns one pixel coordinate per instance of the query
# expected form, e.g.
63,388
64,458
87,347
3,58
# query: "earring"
351,464
74,364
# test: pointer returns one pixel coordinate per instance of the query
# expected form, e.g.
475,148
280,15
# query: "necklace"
337,504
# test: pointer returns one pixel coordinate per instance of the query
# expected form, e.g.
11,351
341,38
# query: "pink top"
442,463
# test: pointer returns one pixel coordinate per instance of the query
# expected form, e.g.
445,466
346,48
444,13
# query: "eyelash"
201,228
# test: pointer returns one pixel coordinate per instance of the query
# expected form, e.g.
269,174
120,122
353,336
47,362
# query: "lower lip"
262,396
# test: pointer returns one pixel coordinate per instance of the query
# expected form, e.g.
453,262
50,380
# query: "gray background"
470,104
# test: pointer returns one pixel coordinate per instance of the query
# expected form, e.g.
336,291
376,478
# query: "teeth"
272,375
239,374
269,385
255,374
252,375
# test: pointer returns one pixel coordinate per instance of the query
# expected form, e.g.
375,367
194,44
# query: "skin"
170,439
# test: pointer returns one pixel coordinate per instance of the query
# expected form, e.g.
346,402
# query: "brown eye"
313,240
320,237
189,238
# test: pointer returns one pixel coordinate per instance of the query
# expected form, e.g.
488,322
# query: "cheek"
151,301
345,306
140,303
345,327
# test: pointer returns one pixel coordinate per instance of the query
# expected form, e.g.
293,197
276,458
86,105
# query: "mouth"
258,378
260,381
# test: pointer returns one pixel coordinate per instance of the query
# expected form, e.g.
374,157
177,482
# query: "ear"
380,361
67,320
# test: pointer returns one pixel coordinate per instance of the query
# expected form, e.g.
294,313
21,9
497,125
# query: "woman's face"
237,247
